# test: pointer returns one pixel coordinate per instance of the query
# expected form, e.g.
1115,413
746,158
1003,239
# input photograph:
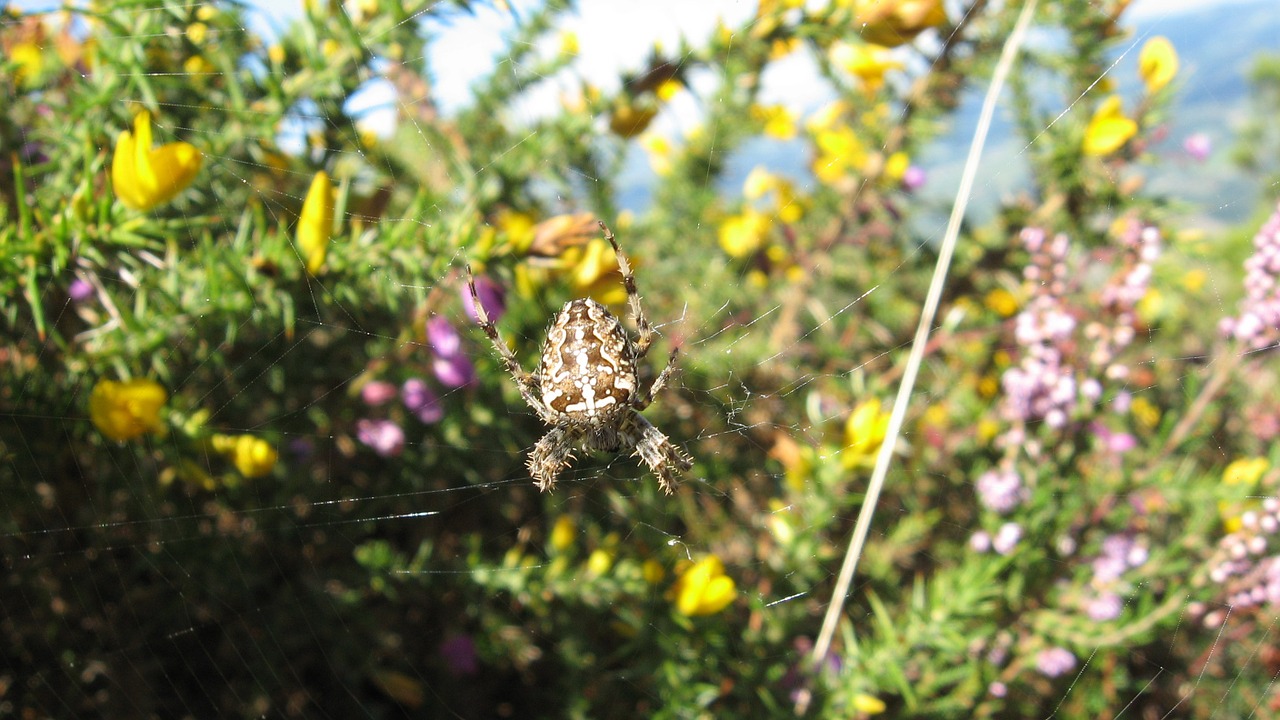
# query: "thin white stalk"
927,315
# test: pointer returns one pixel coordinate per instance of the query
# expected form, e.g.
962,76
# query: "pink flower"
79,290
377,393
1198,146
914,178
421,401
454,372
1055,662
384,436
442,337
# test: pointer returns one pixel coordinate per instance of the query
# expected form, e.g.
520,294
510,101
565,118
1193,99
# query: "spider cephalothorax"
587,387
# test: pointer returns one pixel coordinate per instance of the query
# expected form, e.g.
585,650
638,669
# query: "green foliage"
376,574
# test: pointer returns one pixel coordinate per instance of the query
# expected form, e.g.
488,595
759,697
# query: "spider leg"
633,296
550,456
665,460
525,381
659,382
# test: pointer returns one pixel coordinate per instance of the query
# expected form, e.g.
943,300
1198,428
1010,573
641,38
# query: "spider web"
312,588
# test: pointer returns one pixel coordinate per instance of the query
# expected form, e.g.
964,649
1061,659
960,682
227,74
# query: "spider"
587,388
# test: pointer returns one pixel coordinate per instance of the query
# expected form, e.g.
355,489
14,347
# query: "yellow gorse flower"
1245,471
1158,63
703,588
868,63
744,234
896,22
125,410
144,177
252,456
863,433
562,533
315,224
1109,129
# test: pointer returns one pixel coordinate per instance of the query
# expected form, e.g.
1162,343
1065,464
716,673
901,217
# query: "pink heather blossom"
454,372
1198,146
1007,538
384,436
1055,662
442,337
1258,324
1001,490
377,392
914,178
79,290
420,401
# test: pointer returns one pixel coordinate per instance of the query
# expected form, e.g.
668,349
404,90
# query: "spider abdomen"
588,364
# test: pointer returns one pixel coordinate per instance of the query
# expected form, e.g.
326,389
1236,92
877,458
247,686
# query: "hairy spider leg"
551,455
633,296
665,461
527,382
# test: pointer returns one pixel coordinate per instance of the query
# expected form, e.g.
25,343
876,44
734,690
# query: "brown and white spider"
587,388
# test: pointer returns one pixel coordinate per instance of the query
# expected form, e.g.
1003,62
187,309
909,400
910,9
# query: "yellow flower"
744,234
1002,302
562,533
1146,413
628,120
123,411
252,456
197,32
144,177
868,704
599,562
315,224
1245,471
778,121
779,522
896,22
840,153
660,154
1158,63
863,433
868,63
652,571
569,43
596,273
896,167
518,227
668,89
29,62
1109,129
703,588
782,47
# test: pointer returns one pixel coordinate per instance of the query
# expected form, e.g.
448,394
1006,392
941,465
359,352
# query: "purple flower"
1055,662
454,372
1001,490
980,541
1198,146
998,689
1116,443
384,436
492,297
1007,538
377,392
79,290
421,401
1259,322
460,656
443,338
1104,607
914,178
